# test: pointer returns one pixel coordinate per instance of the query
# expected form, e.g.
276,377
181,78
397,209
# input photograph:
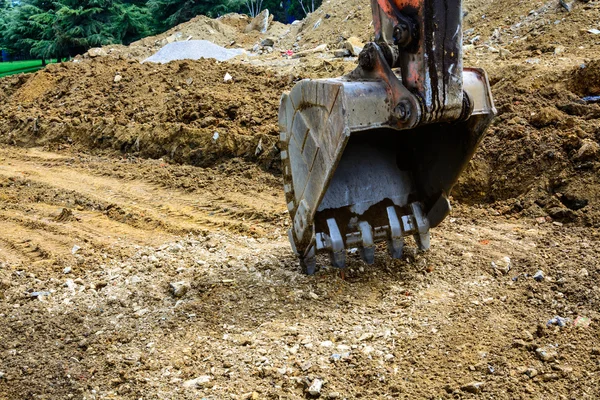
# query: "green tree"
131,22
29,28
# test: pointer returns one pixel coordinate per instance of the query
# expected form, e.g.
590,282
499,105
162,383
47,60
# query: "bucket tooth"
422,240
395,240
338,251
309,262
367,250
422,237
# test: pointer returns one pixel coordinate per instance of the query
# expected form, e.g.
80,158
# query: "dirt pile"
183,111
227,31
540,157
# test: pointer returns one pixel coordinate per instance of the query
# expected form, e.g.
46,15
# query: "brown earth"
132,174
440,324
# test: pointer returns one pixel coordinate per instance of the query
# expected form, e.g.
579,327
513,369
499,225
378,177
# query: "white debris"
193,50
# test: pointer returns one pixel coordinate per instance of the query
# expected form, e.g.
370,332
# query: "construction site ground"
143,229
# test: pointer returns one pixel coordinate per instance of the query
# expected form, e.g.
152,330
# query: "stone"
333,395
327,343
179,289
539,276
313,295
67,270
340,53
473,387
531,372
267,42
545,117
200,382
546,354
96,52
550,377
589,150
259,23
116,80
315,387
319,49
353,45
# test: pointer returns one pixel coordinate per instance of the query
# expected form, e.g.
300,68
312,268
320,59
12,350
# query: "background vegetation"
60,29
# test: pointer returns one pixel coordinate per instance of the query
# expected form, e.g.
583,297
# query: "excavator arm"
372,156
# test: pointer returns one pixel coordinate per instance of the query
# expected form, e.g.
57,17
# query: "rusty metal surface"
372,156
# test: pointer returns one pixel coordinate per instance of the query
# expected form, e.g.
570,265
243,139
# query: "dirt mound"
586,79
183,110
332,23
225,31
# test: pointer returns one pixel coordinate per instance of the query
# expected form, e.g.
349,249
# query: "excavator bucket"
372,156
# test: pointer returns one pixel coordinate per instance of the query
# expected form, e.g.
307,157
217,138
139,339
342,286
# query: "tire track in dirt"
110,211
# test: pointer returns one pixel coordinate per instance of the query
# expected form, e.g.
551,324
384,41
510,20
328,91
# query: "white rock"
327,343
227,77
75,249
69,283
67,270
315,388
199,382
118,78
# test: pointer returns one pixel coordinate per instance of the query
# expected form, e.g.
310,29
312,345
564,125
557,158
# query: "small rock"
75,249
315,387
539,276
558,321
340,53
118,78
365,336
473,387
333,395
546,116
353,45
69,283
562,368
96,52
327,343
503,265
583,272
227,77
179,289
589,150
2,374
199,382
550,377
546,354
267,42
313,295
67,270
368,350
39,294
175,248
531,372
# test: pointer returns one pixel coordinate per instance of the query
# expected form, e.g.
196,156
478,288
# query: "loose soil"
113,192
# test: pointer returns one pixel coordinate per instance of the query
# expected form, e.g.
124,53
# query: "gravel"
192,50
